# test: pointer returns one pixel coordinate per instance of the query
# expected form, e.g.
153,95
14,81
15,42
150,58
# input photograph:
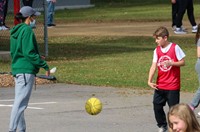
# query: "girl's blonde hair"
184,112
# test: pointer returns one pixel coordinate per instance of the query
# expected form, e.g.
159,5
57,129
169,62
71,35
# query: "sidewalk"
60,108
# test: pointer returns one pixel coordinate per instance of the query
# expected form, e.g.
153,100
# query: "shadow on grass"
83,50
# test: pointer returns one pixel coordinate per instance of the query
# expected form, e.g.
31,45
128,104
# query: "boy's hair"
184,112
161,32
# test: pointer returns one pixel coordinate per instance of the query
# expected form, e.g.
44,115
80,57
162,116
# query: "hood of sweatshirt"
15,32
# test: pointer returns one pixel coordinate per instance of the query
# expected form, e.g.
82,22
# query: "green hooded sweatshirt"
24,51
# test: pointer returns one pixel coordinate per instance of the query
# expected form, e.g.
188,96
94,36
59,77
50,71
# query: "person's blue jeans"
51,9
196,100
23,88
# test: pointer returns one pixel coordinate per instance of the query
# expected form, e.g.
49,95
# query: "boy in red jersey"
168,58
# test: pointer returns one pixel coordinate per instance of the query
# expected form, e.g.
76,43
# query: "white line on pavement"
36,108
7,100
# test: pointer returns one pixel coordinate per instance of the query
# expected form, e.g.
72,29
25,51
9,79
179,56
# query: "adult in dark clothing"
27,3
3,13
174,13
184,5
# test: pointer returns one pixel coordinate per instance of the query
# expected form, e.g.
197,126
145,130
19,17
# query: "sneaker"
51,25
3,27
194,29
180,31
198,115
174,28
162,129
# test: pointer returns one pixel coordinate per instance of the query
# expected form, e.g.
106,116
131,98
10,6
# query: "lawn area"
114,61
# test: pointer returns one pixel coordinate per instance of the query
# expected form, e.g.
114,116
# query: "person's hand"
173,1
153,85
42,57
167,63
47,73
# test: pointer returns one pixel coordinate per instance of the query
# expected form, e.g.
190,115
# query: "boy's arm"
172,63
179,63
151,75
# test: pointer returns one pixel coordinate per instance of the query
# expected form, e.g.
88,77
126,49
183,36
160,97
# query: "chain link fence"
40,30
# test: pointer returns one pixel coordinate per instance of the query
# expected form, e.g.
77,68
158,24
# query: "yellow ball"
93,106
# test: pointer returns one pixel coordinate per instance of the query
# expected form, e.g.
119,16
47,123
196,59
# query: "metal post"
45,28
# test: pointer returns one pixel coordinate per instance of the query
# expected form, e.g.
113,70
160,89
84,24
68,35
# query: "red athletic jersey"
168,77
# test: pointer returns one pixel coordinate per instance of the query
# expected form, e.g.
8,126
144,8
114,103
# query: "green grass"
121,12
112,61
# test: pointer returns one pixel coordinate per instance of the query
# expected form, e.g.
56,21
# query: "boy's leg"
23,88
159,101
173,97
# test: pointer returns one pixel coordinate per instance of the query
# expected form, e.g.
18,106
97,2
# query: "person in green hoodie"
26,62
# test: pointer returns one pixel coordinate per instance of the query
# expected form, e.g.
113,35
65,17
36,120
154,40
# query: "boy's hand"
153,85
167,63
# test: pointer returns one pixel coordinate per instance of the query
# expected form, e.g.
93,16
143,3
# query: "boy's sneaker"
194,29
162,129
180,31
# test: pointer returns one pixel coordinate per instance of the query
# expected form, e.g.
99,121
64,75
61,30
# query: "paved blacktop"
61,108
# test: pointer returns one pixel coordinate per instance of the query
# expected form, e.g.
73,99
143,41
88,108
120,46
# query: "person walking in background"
168,57
51,12
196,99
3,13
184,5
26,62
174,13
182,119
27,2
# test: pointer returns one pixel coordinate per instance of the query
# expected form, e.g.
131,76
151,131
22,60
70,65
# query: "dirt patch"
112,29
7,80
